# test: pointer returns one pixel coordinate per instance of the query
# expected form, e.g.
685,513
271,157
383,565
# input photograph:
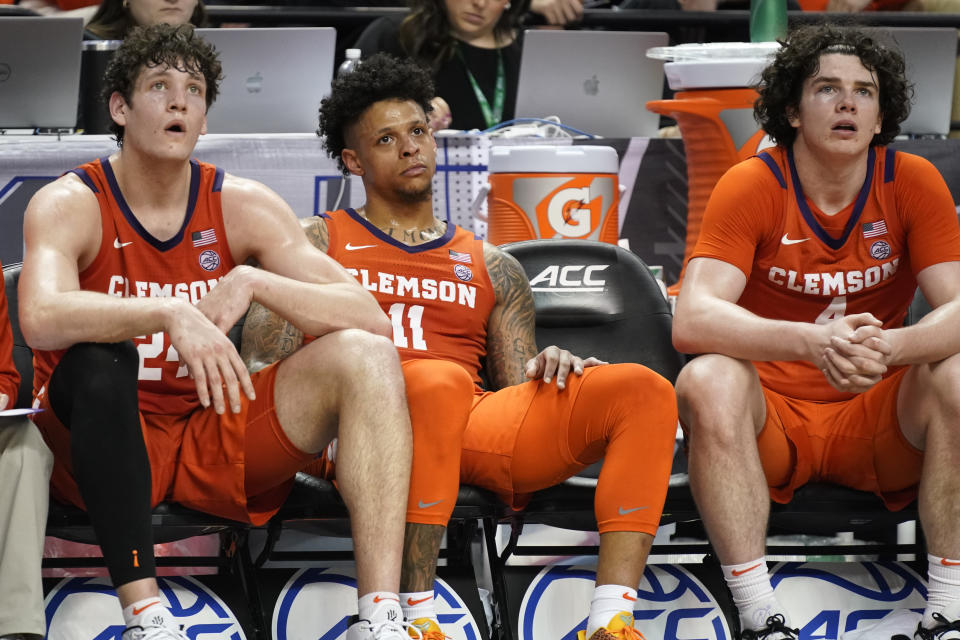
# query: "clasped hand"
854,353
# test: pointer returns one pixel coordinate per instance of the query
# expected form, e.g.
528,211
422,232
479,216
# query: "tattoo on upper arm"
511,339
267,338
317,232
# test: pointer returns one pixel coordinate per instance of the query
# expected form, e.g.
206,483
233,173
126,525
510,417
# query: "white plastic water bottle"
350,63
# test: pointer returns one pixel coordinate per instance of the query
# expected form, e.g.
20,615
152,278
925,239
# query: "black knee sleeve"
93,392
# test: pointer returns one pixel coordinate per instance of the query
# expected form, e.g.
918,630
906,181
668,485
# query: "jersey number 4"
413,327
834,311
150,350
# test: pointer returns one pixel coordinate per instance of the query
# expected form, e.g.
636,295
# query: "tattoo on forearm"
511,339
421,545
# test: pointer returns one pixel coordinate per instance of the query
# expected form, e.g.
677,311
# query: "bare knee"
354,356
719,397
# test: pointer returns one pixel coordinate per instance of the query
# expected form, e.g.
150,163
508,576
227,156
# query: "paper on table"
18,412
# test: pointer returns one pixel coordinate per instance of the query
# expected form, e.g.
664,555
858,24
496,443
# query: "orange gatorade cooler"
542,191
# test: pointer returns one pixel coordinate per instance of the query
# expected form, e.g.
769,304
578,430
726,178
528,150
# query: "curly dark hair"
425,34
160,45
781,85
379,77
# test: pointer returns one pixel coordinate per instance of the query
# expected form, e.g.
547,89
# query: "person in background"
25,467
471,47
115,18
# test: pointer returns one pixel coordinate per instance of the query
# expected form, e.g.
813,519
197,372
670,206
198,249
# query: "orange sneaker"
620,627
428,628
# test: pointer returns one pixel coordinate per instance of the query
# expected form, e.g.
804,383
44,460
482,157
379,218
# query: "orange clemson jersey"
438,295
805,266
133,263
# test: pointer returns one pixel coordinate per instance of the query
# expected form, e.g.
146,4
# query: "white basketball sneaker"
946,625
386,630
899,623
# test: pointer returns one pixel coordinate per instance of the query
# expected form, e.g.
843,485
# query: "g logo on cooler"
318,602
88,609
671,604
568,213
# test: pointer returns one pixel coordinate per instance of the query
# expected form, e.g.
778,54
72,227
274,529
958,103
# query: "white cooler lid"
714,65
553,159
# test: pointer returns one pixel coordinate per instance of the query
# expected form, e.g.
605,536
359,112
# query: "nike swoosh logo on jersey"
786,240
119,245
624,512
357,247
424,505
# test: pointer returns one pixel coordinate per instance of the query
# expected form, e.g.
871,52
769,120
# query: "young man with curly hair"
133,273
457,303
809,256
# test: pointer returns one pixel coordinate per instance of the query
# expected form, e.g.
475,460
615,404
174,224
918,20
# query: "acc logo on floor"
671,604
318,602
88,609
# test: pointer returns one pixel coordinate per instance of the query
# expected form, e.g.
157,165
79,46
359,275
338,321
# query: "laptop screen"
596,81
273,79
930,55
39,71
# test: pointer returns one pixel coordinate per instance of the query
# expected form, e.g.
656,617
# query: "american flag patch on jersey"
874,229
458,256
203,238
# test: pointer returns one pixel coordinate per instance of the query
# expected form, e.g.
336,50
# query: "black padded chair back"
22,354
598,299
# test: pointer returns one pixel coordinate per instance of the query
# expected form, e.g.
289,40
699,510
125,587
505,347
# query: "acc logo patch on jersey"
318,602
88,609
830,598
671,604
209,260
463,272
880,250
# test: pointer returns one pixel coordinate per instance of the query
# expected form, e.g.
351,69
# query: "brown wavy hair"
160,45
425,34
781,85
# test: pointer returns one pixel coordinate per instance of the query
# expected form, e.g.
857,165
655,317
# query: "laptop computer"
596,81
273,79
39,72
931,56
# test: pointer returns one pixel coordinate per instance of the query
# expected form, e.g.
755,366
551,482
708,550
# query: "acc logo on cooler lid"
318,602
88,609
671,604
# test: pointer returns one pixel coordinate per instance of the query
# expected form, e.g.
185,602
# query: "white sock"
943,586
752,592
608,601
380,606
417,605
149,612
